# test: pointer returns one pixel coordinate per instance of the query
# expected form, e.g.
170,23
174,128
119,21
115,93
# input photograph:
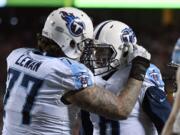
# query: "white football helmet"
176,55
70,28
120,38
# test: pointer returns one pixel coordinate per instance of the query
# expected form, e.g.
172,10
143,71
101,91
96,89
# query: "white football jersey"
35,85
138,123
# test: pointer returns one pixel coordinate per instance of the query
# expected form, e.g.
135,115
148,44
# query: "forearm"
168,128
97,100
101,101
129,95
176,104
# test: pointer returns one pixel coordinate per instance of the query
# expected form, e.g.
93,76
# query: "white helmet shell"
176,54
118,35
67,25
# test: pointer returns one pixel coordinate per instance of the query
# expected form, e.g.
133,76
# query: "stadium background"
155,22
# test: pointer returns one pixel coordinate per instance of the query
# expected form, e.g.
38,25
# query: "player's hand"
138,50
140,59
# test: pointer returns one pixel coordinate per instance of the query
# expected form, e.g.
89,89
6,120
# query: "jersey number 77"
24,81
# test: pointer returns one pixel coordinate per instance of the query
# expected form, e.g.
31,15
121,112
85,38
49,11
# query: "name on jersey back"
28,62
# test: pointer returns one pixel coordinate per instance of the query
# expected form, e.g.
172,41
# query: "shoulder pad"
81,75
153,75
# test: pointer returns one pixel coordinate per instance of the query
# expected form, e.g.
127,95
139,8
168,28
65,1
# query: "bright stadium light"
38,3
127,3
3,3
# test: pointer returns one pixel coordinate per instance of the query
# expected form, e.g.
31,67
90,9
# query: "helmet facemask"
87,53
104,55
98,58
174,65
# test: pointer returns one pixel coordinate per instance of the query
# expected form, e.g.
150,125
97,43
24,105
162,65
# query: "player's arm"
168,128
98,100
156,106
154,100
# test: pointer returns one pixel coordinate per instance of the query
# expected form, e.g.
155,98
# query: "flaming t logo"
74,24
128,36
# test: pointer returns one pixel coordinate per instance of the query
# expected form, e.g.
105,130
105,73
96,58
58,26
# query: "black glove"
139,67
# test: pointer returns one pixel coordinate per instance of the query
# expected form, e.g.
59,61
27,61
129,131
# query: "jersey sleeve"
156,106
153,77
153,98
76,75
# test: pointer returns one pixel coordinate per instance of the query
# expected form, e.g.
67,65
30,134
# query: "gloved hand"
140,59
137,50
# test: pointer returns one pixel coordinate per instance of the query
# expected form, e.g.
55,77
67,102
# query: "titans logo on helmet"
128,36
74,24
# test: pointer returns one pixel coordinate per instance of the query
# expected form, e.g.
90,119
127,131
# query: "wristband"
139,67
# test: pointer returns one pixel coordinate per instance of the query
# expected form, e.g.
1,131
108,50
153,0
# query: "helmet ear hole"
125,51
125,54
72,44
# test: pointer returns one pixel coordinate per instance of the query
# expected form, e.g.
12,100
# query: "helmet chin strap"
103,71
117,64
114,65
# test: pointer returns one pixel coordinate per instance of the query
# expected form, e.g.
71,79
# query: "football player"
112,69
172,126
46,86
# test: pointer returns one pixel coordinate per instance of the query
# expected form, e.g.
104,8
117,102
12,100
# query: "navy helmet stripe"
98,32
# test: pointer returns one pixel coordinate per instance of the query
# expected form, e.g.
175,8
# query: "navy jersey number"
13,76
114,125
